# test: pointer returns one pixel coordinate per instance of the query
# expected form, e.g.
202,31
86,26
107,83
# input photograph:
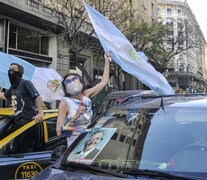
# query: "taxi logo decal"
27,170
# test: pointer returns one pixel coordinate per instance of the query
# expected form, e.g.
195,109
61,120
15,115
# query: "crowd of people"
74,110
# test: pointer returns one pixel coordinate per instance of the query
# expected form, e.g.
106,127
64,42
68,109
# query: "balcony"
185,74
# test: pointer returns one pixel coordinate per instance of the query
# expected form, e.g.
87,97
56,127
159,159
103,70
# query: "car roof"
177,101
123,94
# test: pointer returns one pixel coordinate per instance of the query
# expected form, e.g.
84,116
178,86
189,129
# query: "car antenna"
161,103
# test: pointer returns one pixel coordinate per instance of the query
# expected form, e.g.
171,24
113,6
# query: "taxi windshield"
166,139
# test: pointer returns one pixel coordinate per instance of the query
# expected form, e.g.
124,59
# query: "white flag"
48,84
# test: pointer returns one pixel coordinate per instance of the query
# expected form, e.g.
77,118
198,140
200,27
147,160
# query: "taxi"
24,165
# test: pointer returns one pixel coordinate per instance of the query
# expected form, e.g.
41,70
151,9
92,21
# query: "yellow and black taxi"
24,165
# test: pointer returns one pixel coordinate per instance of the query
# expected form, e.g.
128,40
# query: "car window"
6,127
2,120
149,138
51,127
108,103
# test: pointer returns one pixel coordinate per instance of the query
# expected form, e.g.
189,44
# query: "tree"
78,30
161,44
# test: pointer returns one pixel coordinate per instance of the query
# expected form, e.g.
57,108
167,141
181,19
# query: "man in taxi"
24,98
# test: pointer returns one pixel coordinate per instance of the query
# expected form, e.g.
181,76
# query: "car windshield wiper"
158,174
93,169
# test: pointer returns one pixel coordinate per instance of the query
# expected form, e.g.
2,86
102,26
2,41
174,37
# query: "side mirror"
58,152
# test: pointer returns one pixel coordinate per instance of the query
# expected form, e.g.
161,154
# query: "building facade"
187,70
145,10
28,30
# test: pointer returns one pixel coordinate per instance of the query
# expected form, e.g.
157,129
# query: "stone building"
145,10
187,71
28,30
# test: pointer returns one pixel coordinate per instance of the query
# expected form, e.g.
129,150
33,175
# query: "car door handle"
16,156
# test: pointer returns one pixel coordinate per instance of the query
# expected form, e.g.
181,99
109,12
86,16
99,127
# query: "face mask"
14,77
74,88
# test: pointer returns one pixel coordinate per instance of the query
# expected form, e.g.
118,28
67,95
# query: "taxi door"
23,165
51,139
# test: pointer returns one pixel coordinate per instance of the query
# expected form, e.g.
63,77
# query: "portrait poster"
91,146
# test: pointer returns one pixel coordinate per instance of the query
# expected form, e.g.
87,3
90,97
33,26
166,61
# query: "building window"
122,138
134,142
159,20
44,45
128,140
179,11
28,40
170,40
158,10
169,21
180,22
13,37
180,29
114,136
170,69
169,11
181,68
170,33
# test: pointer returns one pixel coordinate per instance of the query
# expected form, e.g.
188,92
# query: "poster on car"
91,146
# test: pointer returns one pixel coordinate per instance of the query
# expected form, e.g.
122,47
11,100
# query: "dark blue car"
154,138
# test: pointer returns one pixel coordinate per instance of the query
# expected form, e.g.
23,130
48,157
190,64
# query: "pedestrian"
75,109
24,98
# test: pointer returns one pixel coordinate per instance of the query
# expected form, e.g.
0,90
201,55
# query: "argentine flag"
46,81
124,54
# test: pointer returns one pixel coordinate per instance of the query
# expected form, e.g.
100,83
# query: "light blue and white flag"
142,55
124,54
47,81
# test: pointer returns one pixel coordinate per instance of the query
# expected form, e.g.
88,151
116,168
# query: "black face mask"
14,77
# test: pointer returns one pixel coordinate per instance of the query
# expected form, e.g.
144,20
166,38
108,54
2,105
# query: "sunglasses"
68,81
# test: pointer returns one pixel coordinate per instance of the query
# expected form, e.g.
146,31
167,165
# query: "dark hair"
20,67
71,74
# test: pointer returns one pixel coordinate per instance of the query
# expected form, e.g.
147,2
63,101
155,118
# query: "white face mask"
74,88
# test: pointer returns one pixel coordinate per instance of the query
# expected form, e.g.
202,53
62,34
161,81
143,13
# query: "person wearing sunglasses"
75,109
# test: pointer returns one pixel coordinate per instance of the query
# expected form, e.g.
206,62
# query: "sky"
199,9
